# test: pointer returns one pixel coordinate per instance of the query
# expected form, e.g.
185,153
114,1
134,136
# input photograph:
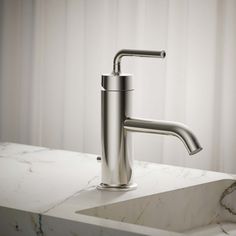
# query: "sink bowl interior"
191,210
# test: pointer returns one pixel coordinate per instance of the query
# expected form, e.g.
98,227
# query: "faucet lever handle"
136,53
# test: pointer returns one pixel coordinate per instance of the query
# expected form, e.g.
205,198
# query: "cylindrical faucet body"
117,160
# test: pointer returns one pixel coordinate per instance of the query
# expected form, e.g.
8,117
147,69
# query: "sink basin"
193,210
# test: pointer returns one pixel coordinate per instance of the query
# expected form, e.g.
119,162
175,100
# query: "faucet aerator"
195,151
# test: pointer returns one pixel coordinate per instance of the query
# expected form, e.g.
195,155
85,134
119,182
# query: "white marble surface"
180,210
41,191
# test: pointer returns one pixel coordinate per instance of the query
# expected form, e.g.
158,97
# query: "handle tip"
163,54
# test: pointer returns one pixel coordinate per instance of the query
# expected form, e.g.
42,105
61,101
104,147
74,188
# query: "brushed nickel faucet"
118,123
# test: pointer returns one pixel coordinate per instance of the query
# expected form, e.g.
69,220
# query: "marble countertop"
42,189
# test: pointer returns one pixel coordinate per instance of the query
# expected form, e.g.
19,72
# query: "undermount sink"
195,210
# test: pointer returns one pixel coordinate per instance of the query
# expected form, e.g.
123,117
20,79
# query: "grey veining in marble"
42,191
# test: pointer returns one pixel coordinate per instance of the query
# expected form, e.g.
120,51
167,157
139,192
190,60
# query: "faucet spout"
179,130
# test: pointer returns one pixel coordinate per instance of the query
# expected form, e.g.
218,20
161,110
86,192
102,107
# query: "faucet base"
123,187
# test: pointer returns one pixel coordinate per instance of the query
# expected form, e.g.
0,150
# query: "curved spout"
167,128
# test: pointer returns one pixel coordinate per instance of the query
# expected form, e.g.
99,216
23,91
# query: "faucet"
118,122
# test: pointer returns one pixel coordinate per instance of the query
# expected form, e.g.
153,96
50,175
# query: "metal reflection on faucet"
118,123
